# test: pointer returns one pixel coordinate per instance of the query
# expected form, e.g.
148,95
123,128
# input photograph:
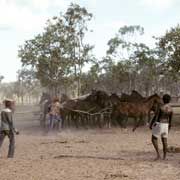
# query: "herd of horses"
98,108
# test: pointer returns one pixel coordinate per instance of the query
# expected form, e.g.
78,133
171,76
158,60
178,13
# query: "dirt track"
107,154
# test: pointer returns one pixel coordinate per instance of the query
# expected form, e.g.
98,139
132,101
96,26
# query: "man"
7,126
55,113
161,124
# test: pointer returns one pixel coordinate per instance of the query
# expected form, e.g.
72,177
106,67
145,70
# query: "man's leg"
155,144
165,145
59,122
11,145
51,121
2,136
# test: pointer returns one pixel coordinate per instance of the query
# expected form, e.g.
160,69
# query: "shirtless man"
161,124
54,113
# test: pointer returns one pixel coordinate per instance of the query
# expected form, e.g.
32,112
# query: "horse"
80,109
115,99
136,109
134,96
137,97
104,102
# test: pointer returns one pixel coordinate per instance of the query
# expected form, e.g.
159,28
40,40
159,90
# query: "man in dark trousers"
7,127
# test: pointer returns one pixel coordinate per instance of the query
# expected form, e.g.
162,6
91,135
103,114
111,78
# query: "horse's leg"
75,119
101,120
149,118
69,119
137,124
117,120
95,120
123,121
86,120
81,120
108,120
126,121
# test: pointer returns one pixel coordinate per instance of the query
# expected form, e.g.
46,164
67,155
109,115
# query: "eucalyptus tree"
147,65
59,52
76,18
170,44
118,62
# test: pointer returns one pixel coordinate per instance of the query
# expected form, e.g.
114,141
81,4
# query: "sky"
21,20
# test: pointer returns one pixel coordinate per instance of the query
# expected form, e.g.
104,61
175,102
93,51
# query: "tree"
123,44
147,65
47,54
59,52
170,44
118,63
76,19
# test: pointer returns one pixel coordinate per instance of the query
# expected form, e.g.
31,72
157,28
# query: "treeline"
58,56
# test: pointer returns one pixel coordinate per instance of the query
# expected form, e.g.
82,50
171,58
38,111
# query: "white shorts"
160,130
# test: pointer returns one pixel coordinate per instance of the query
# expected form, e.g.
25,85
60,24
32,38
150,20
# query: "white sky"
20,20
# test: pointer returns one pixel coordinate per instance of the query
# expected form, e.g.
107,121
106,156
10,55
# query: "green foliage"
123,43
170,44
60,51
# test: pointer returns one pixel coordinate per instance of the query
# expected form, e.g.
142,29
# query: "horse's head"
64,98
114,98
155,100
103,99
92,97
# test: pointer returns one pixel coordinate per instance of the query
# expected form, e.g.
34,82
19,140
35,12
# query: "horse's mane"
135,93
150,97
114,95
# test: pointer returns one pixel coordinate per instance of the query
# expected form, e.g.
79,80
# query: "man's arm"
9,120
154,119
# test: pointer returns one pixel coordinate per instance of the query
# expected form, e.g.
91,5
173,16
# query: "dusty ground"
108,154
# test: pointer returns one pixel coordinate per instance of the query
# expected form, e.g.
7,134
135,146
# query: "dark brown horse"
93,103
137,110
115,99
71,107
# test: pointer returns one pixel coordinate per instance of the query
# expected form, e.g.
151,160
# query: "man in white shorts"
161,124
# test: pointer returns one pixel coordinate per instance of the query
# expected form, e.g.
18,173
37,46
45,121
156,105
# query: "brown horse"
136,110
